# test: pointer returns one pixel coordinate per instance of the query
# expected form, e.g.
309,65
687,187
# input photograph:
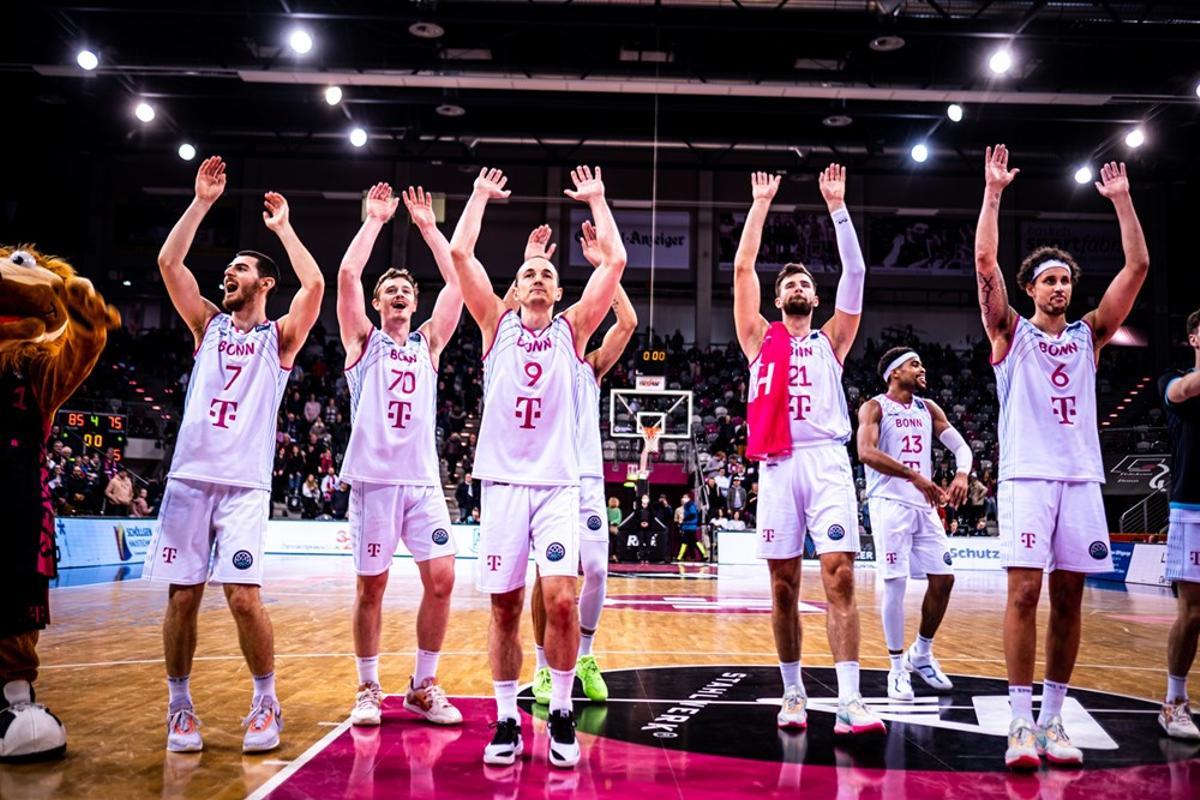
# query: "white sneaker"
1055,745
183,731
900,685
853,717
794,713
928,668
1177,721
505,746
429,701
1022,752
368,705
263,724
28,730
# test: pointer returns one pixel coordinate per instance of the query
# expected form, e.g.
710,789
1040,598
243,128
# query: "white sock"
540,655
560,689
264,685
179,691
427,663
1053,694
506,699
847,679
892,612
585,643
1176,689
790,672
1020,700
368,669
896,659
922,647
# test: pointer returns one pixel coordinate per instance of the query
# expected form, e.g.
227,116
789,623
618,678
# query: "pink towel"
767,414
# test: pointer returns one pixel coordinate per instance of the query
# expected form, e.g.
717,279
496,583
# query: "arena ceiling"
717,83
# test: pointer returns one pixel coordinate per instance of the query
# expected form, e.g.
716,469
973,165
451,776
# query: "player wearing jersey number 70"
525,456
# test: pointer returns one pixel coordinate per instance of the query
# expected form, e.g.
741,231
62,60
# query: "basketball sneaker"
1176,720
262,725
183,730
900,685
368,705
793,714
1055,745
564,747
928,668
1022,752
588,672
506,743
542,686
28,730
853,717
429,701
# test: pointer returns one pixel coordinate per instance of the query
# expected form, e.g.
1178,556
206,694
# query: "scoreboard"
97,431
652,361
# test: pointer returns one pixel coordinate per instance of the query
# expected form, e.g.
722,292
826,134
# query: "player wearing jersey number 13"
1051,513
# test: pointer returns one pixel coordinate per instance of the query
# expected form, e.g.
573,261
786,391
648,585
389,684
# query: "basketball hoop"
651,434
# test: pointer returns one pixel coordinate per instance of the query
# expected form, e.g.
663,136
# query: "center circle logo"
1098,550
947,559
555,552
594,523
441,536
242,559
836,532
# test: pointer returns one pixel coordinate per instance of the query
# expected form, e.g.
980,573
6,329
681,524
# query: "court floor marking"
276,780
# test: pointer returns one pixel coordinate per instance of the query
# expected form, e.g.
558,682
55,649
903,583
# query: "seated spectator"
119,494
310,496
340,503
141,504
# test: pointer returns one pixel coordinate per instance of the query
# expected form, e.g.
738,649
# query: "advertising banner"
670,231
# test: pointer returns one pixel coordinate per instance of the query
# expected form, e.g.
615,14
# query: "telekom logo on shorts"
768,534
528,410
222,411
891,558
1028,539
1195,554
373,549
169,554
493,563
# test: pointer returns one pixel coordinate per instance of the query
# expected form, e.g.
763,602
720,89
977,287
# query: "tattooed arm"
998,315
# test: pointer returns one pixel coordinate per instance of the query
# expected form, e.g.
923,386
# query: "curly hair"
1034,259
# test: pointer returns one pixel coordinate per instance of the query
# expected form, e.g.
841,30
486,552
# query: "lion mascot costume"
53,326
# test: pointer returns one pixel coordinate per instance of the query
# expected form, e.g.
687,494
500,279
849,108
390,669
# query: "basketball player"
526,454
391,459
798,426
593,530
895,437
1180,391
218,492
1050,510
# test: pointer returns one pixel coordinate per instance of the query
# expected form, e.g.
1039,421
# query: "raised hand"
996,173
210,179
490,183
1113,180
590,244
381,205
276,214
420,207
587,186
539,245
763,186
833,184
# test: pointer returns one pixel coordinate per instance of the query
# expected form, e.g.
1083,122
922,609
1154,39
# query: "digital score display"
97,431
653,361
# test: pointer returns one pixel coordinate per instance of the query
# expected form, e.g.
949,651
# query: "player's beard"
237,301
797,307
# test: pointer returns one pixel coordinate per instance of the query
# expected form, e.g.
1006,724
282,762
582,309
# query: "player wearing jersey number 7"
1051,513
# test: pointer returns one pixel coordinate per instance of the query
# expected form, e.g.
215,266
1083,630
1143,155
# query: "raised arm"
1181,389
842,327
482,303
586,315
353,322
748,321
949,436
998,315
181,284
1119,296
306,303
604,357
869,417
448,308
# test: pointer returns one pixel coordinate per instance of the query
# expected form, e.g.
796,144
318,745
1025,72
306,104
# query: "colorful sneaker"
1022,752
564,747
429,701
368,705
853,717
542,686
928,668
1055,745
262,725
183,731
588,672
900,685
793,714
1177,721
505,745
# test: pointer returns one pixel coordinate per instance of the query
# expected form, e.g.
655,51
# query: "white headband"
899,361
1049,263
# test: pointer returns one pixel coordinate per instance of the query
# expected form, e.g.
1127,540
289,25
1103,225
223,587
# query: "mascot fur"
53,326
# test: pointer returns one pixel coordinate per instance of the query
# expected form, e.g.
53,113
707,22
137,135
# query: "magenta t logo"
373,549
891,558
222,410
530,408
768,534
169,554
399,412
1064,409
1028,539
493,562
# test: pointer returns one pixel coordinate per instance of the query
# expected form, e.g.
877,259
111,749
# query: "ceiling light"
955,112
144,111
333,95
127,282
886,44
1135,138
1083,174
427,30
358,137
1198,89
87,59
836,121
451,110
300,41
919,153
1001,61
187,152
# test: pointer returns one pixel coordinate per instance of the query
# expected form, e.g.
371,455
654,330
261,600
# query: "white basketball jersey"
1047,391
393,412
227,435
905,434
527,435
587,423
817,410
